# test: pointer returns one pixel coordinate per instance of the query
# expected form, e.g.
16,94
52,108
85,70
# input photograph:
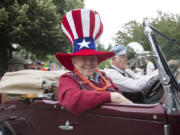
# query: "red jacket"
77,97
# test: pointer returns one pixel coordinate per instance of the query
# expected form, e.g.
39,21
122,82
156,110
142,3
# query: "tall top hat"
82,28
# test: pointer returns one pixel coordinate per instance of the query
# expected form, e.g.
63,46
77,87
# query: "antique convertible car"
37,112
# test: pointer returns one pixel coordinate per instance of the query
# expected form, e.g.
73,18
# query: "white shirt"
127,84
150,67
133,74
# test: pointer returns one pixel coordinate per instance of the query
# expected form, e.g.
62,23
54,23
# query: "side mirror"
135,54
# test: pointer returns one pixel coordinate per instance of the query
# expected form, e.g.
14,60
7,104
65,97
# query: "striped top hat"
82,28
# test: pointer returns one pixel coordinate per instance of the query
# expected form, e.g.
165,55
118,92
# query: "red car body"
42,116
46,118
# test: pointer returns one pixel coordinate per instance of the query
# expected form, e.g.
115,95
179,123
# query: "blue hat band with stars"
84,43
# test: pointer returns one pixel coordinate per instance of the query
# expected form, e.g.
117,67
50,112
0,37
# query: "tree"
51,58
34,25
132,32
65,5
169,24
106,63
109,47
100,47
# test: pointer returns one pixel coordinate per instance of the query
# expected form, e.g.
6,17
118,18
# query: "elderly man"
85,87
125,79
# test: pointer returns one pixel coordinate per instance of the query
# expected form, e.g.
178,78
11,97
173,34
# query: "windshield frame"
163,59
170,85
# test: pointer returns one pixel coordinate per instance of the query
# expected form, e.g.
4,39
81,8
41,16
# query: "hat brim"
65,59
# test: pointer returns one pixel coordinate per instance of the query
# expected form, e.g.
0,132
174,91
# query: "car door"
44,116
50,118
118,119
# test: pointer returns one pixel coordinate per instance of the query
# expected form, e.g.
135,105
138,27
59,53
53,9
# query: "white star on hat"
84,44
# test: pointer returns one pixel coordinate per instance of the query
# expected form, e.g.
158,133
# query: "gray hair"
115,56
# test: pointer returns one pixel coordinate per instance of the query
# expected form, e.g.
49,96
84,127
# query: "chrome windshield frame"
171,104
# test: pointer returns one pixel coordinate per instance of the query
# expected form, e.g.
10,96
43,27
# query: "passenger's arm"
126,84
76,100
118,98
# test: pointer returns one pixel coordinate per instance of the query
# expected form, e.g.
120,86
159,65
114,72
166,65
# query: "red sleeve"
76,100
114,86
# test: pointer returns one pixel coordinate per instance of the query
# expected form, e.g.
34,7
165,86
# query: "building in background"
17,63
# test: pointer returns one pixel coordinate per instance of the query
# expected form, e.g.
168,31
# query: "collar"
124,73
95,77
116,68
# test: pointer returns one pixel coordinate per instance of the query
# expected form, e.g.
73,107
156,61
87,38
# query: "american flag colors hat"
82,28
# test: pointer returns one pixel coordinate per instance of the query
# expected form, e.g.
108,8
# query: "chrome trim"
155,117
10,127
166,130
45,95
170,105
67,126
164,77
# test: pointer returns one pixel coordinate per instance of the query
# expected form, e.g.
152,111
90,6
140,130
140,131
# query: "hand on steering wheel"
153,93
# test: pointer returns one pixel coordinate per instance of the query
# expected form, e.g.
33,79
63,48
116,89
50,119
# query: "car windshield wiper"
172,40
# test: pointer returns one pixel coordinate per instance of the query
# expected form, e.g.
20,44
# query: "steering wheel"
147,96
153,94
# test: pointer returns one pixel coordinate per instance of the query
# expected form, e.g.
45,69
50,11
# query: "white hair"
115,56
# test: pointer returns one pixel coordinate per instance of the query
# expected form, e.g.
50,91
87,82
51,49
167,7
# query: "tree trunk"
3,59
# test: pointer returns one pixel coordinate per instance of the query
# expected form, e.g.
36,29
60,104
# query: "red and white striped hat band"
82,23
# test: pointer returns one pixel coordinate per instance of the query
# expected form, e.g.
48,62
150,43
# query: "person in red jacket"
85,87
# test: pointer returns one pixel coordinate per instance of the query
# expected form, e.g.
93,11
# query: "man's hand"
118,98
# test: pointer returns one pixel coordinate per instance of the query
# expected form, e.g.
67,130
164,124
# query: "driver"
126,80
85,87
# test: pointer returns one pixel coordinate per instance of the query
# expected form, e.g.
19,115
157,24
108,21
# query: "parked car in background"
36,110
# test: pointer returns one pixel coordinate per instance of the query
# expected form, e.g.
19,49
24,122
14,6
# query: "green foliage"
37,28
132,32
2,71
106,63
169,24
109,47
66,5
100,47
51,58
34,25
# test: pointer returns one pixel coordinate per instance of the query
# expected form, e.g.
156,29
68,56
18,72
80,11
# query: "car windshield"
171,51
